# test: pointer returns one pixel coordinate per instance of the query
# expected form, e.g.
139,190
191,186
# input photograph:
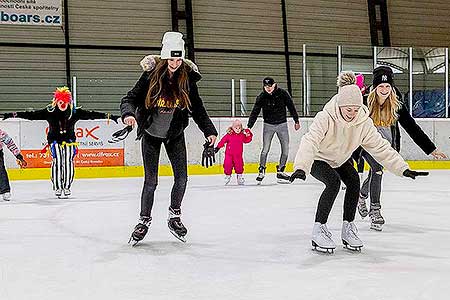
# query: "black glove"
208,157
413,174
20,161
300,174
8,115
120,135
115,118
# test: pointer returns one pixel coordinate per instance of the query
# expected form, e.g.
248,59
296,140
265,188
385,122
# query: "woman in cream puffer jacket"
325,152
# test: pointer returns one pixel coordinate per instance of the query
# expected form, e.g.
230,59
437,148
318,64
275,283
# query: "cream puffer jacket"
333,140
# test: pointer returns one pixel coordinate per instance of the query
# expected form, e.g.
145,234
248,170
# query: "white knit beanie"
349,93
172,45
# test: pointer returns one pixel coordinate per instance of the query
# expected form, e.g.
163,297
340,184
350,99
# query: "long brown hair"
181,90
385,115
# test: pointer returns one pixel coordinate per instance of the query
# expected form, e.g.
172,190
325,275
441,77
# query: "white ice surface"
244,242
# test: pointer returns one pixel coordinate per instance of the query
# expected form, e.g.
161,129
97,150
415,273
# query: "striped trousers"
63,169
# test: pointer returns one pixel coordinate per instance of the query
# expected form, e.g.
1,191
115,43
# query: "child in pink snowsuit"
234,139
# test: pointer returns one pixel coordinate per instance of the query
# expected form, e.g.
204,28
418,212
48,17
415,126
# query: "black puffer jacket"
61,127
409,124
273,107
133,104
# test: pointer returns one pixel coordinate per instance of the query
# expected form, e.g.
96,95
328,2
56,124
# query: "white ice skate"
6,196
240,179
321,239
227,179
350,237
376,220
59,193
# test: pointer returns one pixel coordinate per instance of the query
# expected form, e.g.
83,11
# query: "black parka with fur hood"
133,104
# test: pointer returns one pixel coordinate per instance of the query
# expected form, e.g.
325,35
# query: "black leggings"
332,177
176,151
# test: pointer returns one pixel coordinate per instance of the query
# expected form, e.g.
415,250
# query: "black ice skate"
261,175
140,230
362,207
376,220
176,227
281,176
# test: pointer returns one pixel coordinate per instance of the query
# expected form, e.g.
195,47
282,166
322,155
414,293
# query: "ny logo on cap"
175,53
384,78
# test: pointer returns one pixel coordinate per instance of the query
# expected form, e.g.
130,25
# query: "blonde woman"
325,151
387,112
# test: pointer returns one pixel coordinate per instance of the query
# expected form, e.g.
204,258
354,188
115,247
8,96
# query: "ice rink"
244,242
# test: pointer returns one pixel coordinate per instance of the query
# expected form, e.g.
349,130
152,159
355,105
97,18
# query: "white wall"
437,129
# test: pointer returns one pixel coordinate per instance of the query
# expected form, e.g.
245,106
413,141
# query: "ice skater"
234,139
5,188
325,152
273,101
387,111
160,104
62,115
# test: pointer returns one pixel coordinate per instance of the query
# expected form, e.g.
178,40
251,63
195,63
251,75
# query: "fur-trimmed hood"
148,64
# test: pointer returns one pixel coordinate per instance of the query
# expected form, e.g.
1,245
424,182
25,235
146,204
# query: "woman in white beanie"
160,104
325,152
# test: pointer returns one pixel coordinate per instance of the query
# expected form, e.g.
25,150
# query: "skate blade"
376,227
283,181
319,249
63,197
351,248
180,238
132,241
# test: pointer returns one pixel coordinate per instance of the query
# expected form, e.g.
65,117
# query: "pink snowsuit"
234,150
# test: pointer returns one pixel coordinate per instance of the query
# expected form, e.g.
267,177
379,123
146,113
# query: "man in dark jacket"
273,101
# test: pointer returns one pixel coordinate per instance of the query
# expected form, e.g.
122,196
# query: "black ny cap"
382,74
268,81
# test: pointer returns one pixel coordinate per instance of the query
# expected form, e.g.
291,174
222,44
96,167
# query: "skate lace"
352,231
376,214
325,231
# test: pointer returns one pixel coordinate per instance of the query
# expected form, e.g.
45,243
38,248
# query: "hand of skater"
115,118
300,174
130,121
20,161
438,154
413,174
120,135
297,126
208,155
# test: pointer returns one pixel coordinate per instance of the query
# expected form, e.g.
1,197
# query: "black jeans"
332,179
176,151
4,180
372,184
